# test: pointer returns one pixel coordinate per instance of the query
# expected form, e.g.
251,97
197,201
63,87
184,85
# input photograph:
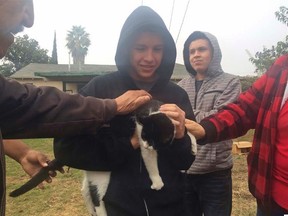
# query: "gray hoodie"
217,90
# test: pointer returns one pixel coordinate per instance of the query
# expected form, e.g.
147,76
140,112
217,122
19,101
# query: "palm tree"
78,42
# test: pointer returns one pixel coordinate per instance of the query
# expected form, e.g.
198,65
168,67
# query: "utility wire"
171,14
182,20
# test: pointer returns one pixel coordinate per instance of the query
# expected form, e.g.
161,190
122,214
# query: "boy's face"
200,53
14,16
146,56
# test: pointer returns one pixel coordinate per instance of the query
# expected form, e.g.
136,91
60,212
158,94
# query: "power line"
182,20
171,14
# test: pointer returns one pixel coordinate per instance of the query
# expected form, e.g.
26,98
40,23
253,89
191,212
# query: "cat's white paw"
101,210
145,144
150,148
193,143
157,183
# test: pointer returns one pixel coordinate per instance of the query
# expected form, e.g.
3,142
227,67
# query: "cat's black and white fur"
153,128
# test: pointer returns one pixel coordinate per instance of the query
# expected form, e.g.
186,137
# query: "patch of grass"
247,137
63,196
243,203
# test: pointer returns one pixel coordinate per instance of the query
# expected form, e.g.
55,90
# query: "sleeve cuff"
210,133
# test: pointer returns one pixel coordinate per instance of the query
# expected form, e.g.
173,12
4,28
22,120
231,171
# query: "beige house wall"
71,88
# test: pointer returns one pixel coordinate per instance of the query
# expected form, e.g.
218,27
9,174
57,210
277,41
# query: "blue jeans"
275,210
209,194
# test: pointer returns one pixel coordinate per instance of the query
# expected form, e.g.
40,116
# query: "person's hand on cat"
177,116
131,100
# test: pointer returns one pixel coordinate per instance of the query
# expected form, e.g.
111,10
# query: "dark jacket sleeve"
111,149
28,111
106,150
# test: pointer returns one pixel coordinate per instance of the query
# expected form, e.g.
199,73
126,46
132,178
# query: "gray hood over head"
144,19
214,67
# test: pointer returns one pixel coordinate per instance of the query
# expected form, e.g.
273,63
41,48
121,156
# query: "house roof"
179,72
40,71
70,74
35,70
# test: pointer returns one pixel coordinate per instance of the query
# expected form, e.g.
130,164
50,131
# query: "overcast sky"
239,25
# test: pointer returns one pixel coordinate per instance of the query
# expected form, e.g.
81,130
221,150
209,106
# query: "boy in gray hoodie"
208,181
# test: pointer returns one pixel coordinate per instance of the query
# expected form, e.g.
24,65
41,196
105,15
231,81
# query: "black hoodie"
129,190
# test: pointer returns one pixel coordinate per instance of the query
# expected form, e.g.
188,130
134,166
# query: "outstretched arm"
31,160
194,128
49,112
99,152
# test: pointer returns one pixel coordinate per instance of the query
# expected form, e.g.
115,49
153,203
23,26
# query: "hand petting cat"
177,116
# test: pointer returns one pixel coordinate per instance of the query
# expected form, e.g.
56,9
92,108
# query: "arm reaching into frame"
30,160
131,100
194,128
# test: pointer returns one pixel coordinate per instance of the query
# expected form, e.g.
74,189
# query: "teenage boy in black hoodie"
145,58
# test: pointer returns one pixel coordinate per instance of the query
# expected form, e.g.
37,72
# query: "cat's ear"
143,120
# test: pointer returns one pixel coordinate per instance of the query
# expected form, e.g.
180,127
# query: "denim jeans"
275,210
208,194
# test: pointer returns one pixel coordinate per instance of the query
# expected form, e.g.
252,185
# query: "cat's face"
157,128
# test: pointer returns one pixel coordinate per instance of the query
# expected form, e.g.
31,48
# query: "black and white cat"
153,128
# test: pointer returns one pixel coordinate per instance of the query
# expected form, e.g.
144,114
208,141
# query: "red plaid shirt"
257,108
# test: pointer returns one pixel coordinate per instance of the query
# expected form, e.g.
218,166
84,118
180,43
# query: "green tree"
266,57
7,69
21,53
247,81
54,59
77,43
282,15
